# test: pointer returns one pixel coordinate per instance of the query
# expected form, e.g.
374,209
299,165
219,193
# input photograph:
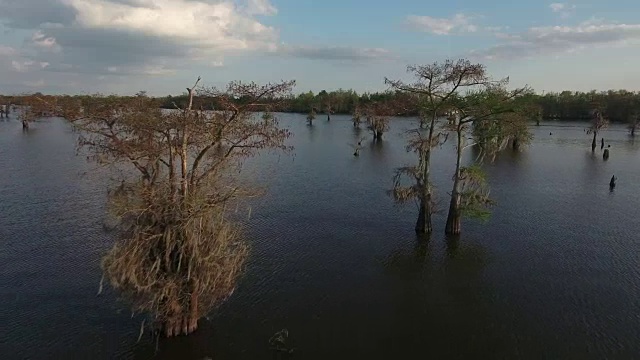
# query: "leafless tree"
598,124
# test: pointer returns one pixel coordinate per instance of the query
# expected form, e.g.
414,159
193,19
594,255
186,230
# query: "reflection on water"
553,274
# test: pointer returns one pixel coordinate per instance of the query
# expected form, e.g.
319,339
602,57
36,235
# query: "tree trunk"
454,216
328,117
25,125
594,142
423,224
516,144
602,143
378,135
605,155
633,131
183,321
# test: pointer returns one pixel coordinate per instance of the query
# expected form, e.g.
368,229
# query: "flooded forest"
451,215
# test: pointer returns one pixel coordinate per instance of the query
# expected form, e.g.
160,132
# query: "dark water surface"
553,274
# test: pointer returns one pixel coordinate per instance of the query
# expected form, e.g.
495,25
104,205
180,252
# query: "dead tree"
598,124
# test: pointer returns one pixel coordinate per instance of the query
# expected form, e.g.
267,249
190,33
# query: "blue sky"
123,46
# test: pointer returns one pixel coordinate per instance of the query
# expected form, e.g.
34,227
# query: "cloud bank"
109,38
548,40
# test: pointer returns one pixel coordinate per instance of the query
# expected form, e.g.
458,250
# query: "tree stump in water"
612,183
605,155
602,144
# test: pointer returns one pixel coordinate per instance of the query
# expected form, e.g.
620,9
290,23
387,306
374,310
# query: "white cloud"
557,7
261,7
220,25
459,23
135,37
563,39
123,41
44,42
563,9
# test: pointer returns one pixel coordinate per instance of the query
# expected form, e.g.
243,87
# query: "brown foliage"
177,256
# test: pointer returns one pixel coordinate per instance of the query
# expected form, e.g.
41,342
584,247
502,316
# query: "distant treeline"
337,102
617,106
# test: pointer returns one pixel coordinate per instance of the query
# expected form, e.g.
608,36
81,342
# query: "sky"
162,46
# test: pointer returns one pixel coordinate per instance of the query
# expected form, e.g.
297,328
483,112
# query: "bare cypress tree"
178,256
598,123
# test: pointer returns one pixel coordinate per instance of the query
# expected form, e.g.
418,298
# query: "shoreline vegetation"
618,106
